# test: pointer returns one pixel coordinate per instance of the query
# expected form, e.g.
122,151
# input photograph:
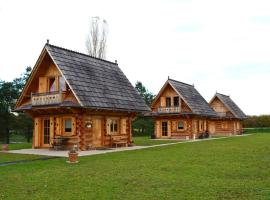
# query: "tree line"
260,121
11,122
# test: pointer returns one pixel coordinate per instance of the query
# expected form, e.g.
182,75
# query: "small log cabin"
179,111
79,100
230,116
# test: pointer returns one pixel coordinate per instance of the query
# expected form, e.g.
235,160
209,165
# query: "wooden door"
212,128
45,138
164,129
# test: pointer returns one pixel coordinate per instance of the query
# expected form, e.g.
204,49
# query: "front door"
45,132
212,128
164,129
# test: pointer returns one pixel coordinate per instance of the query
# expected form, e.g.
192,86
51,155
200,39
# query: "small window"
114,126
62,83
168,102
180,125
52,84
224,125
68,126
176,101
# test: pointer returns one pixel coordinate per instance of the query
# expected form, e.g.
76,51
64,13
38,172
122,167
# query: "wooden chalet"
230,116
179,111
76,99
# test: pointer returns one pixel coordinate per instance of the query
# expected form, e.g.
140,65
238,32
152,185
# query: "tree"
20,82
145,94
9,93
143,125
97,38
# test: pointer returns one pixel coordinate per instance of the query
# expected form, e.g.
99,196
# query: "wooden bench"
59,143
119,140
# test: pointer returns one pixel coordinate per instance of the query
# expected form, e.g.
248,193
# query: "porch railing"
172,109
48,98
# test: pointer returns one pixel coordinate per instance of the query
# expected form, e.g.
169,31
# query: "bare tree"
97,38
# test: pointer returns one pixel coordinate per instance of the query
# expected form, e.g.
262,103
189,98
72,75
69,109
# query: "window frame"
178,99
113,126
54,84
183,123
64,132
169,102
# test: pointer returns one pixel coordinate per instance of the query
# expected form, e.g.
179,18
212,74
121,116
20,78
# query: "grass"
9,157
146,141
230,168
16,146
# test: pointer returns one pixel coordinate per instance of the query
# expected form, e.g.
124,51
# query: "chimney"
48,41
115,62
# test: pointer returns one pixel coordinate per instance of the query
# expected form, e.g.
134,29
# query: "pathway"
47,152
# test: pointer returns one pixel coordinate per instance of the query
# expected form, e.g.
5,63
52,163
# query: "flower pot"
72,157
5,147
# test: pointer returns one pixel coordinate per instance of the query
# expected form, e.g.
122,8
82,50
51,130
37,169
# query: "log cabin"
179,111
76,99
229,116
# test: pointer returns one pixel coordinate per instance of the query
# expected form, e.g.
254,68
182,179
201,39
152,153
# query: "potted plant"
73,155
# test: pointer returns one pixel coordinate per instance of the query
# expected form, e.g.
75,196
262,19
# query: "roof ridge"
180,82
223,94
84,54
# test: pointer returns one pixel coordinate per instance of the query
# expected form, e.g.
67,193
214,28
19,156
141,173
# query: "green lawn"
146,141
230,168
23,145
8,157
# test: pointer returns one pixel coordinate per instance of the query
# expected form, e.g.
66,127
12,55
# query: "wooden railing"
172,109
46,98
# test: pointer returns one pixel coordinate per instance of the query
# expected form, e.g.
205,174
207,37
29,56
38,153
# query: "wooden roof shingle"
231,105
193,98
96,83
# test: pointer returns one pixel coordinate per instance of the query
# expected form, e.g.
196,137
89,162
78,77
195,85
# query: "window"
180,125
224,125
62,84
114,126
176,101
168,102
52,84
68,125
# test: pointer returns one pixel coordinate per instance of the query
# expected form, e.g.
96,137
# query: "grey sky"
219,46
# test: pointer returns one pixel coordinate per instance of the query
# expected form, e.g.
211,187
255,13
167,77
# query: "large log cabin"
76,99
230,116
179,111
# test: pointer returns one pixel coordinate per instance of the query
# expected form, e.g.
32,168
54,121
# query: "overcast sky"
216,45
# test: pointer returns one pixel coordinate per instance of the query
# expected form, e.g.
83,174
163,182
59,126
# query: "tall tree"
143,125
9,93
145,94
97,38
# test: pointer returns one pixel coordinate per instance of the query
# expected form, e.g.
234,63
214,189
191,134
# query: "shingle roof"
97,83
229,103
192,97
